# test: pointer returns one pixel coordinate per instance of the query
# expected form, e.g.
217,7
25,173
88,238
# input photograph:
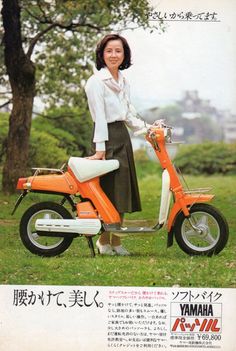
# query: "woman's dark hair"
100,50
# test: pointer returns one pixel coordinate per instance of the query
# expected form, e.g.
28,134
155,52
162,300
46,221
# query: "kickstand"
91,246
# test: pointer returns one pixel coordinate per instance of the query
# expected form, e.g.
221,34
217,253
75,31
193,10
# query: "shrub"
45,151
144,166
72,126
207,158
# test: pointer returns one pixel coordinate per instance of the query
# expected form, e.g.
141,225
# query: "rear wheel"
43,245
208,235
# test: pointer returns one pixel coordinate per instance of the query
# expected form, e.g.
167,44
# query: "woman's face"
113,54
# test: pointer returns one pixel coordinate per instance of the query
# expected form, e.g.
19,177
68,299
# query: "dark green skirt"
121,185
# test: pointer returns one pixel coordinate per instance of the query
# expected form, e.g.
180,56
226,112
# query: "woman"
108,99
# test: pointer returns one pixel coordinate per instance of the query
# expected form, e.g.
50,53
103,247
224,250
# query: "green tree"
71,126
45,150
57,38
4,123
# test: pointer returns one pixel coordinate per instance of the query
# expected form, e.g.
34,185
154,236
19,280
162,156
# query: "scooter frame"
95,204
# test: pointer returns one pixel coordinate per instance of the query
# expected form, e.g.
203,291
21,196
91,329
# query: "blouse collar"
106,75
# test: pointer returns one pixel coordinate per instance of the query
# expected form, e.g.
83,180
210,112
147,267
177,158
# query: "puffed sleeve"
94,89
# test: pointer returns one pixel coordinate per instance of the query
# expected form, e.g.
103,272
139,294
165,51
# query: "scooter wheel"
43,245
210,234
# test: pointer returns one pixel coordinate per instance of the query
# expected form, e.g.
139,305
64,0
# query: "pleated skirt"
121,185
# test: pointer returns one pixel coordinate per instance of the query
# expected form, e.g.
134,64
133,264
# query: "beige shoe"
104,249
120,250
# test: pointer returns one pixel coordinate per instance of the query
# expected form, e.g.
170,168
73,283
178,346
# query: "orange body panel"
68,184
86,210
182,200
93,191
63,183
158,143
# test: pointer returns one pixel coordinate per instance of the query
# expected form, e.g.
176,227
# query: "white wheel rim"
210,231
35,238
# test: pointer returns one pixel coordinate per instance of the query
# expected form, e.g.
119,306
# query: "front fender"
188,200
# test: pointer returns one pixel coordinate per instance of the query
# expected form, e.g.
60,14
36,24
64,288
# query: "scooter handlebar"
142,131
157,124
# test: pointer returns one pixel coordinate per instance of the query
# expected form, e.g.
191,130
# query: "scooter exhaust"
70,226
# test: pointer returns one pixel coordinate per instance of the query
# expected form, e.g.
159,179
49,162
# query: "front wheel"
208,233
43,245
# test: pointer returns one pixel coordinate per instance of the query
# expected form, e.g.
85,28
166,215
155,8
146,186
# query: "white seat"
85,169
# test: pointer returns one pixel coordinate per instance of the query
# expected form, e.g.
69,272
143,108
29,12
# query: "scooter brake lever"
155,143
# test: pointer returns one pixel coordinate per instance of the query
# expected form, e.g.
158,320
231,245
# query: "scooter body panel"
79,226
165,197
93,191
86,210
61,183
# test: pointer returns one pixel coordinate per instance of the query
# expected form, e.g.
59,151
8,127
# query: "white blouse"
109,101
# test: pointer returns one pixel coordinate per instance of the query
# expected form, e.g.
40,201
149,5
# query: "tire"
43,245
214,235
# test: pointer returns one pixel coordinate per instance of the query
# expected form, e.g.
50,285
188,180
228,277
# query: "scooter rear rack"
197,190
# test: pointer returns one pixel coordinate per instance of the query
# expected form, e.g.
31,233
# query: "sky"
188,56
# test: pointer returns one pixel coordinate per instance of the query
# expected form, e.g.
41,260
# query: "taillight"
20,183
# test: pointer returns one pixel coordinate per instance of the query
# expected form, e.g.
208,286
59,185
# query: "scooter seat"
85,169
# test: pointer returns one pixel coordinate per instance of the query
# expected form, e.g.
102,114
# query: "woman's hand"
99,155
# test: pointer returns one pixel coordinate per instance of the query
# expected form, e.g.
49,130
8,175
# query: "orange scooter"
48,228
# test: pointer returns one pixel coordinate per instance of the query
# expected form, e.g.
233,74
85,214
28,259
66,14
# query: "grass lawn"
150,264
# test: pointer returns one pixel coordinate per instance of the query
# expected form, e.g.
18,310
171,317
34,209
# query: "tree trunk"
21,72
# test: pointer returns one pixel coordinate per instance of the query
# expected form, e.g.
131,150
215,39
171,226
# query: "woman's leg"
103,244
108,242
104,238
115,240
109,238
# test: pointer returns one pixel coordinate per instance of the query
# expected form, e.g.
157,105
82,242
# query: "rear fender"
18,202
65,197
